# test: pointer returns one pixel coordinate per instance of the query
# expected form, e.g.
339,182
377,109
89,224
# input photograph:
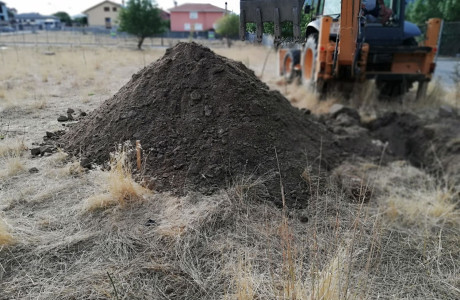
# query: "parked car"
7,29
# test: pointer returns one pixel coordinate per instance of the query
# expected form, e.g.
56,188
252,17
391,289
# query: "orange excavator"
348,41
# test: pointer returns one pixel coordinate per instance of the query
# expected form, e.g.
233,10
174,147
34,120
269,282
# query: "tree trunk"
140,42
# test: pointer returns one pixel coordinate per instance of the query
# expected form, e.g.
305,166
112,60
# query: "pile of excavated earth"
206,122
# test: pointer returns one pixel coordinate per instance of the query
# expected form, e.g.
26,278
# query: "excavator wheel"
290,61
309,56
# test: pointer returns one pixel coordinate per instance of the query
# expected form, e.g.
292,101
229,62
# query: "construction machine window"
331,7
386,12
396,13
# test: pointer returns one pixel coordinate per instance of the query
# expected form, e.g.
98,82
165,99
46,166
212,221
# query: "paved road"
445,68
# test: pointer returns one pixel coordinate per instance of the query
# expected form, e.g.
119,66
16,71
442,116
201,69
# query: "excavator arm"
276,11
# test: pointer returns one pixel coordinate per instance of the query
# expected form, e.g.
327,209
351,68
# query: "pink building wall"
207,19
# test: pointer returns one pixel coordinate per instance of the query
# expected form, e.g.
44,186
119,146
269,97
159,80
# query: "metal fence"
450,40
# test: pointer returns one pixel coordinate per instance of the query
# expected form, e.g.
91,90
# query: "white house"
104,14
37,21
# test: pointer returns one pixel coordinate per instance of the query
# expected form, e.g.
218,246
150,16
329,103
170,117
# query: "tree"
81,21
450,10
141,18
228,25
64,17
422,10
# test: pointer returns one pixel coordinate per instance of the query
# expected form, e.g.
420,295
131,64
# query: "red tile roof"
198,7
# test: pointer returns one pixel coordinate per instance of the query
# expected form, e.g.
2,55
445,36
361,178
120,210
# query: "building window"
106,8
198,27
114,9
193,15
187,26
108,23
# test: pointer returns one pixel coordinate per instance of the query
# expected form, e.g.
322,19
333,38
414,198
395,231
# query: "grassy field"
69,233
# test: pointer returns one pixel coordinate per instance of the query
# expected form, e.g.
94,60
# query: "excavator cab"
343,44
275,11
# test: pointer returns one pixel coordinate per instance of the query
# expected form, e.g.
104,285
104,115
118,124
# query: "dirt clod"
63,119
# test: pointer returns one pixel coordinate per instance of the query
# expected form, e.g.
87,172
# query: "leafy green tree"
422,10
64,17
141,18
228,25
450,10
81,21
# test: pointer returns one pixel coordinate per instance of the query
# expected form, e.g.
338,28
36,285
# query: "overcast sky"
73,7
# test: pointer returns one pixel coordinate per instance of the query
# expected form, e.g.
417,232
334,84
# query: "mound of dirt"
206,122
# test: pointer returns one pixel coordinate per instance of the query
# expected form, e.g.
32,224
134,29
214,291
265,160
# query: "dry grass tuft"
10,147
11,152
424,207
5,237
413,198
100,201
14,165
39,104
60,156
119,184
244,280
332,281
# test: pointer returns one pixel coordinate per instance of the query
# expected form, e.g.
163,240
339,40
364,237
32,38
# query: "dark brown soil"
430,144
205,122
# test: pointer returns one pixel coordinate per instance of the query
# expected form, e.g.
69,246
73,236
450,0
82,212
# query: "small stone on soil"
35,151
33,170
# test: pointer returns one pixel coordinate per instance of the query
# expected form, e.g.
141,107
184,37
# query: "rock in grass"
33,170
35,151
63,119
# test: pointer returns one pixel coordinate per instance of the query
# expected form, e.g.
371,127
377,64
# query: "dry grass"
72,69
11,160
425,207
14,165
413,198
119,185
244,277
5,237
231,245
332,280
12,147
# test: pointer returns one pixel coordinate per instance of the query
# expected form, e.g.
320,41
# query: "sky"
74,7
